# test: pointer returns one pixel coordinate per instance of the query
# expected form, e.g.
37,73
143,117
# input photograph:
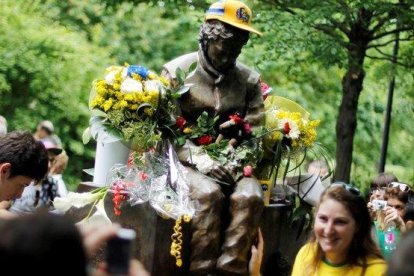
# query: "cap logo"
243,15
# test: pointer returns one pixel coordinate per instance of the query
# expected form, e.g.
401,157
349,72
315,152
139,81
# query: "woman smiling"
341,243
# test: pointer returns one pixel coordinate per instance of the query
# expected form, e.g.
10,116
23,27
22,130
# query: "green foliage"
45,73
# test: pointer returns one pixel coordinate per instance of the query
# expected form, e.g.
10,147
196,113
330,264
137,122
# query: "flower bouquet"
129,107
232,144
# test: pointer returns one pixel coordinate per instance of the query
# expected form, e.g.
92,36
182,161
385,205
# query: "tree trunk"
347,117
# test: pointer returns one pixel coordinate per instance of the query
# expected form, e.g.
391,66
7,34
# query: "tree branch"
390,60
380,23
329,30
382,53
347,10
408,38
340,26
396,30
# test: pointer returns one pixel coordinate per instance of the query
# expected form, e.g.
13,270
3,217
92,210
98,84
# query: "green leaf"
180,75
192,67
86,136
98,113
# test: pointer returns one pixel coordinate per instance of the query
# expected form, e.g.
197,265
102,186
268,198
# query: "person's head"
224,33
22,160
409,216
40,242
53,151
318,167
342,226
44,129
3,126
60,163
379,183
397,198
401,262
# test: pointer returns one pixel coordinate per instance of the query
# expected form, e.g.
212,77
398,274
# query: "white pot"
108,153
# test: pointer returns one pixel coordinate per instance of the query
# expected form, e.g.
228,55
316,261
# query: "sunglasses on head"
353,190
403,187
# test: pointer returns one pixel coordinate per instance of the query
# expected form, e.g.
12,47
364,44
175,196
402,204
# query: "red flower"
131,160
286,128
266,89
247,128
180,122
142,176
236,118
247,171
205,140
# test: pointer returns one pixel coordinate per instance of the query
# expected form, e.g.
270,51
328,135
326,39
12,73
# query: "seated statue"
221,86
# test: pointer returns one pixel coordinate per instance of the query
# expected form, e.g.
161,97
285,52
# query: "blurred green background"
51,51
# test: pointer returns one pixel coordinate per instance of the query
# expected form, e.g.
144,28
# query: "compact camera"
379,204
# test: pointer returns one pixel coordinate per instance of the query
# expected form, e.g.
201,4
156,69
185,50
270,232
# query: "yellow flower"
187,130
133,107
107,105
128,97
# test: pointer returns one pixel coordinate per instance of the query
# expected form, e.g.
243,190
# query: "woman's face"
334,229
397,204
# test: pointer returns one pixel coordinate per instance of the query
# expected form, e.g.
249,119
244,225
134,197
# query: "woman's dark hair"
41,243
397,194
27,156
362,244
409,212
382,180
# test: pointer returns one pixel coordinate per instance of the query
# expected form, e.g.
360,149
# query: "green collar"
334,265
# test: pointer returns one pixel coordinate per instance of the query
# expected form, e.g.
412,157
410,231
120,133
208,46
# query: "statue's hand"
222,174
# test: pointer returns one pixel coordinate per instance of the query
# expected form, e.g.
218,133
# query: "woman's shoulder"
376,266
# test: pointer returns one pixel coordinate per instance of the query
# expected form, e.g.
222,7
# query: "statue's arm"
255,105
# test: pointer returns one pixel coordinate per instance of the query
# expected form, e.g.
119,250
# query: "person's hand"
257,255
4,212
222,174
135,269
94,236
391,214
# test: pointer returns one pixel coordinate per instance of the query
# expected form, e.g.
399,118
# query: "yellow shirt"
375,266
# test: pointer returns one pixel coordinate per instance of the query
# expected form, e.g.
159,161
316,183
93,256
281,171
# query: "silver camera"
379,204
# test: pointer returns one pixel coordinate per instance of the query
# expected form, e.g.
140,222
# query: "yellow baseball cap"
232,12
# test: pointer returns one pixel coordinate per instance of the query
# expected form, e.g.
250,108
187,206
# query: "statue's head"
225,31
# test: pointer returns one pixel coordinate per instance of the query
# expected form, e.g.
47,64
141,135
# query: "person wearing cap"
43,130
221,86
22,161
42,194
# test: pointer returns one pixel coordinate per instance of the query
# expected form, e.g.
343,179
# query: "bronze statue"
221,86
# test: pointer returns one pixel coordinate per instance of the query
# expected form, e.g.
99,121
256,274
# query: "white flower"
76,200
130,85
289,128
99,218
112,71
152,85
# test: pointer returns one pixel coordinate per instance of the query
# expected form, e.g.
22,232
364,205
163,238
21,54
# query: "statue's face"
224,52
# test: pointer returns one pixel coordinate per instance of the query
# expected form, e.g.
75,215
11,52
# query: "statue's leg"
205,241
246,206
